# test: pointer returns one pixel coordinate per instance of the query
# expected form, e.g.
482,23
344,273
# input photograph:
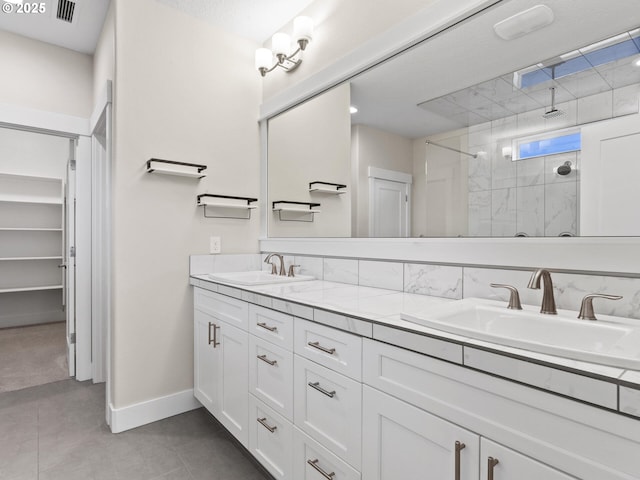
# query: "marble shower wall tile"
436,280
503,170
561,209
479,221
503,212
389,275
480,171
340,270
595,107
530,211
625,100
530,172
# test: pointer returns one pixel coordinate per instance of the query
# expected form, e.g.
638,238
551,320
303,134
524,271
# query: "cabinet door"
232,366
271,375
400,441
311,461
327,407
270,439
501,463
205,375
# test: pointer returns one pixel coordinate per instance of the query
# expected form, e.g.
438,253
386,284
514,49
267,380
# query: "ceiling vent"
65,10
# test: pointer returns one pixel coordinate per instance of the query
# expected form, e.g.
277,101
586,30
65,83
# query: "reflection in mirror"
468,134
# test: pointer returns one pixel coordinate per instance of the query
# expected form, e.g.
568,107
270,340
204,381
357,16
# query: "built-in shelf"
326,187
29,199
31,289
29,229
13,259
225,206
171,167
295,211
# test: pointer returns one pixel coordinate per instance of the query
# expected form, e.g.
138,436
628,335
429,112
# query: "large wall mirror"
472,135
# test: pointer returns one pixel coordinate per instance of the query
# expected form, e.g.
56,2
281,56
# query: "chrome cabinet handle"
491,463
213,340
459,447
267,327
317,345
316,385
263,422
314,464
266,360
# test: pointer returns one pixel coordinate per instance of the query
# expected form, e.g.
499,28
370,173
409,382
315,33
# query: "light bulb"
281,43
264,58
303,29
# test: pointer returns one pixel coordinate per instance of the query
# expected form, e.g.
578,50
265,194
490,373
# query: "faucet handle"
514,297
586,308
292,273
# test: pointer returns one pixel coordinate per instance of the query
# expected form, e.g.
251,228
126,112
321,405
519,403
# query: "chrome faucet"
274,270
548,302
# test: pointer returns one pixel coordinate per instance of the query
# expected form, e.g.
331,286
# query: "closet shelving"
31,248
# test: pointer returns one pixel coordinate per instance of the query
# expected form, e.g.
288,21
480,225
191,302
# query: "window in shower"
550,143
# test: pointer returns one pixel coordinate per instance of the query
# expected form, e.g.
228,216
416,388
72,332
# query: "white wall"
309,143
184,91
372,147
104,56
36,154
44,77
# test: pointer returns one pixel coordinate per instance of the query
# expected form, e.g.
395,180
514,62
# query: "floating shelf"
295,211
225,204
13,259
30,229
171,167
326,187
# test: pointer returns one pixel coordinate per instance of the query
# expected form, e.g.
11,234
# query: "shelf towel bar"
171,167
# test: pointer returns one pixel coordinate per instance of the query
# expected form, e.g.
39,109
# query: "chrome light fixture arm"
281,43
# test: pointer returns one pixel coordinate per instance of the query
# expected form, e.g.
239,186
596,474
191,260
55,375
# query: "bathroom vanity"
316,391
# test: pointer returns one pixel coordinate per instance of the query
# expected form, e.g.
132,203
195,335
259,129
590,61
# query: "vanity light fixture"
281,45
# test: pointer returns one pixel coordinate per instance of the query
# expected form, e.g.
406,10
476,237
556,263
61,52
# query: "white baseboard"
139,414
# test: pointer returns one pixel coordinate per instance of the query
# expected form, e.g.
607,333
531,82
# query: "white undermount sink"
256,278
609,340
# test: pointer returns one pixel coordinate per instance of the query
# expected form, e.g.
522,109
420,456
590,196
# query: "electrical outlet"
215,245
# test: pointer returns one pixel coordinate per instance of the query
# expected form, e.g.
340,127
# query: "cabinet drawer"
310,459
231,310
273,326
270,439
335,349
271,375
327,407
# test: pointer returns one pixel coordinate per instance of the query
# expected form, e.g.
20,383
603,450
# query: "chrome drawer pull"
317,386
314,464
491,463
263,422
317,345
213,340
459,447
267,327
266,360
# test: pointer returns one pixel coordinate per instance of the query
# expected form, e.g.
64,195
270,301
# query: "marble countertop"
591,383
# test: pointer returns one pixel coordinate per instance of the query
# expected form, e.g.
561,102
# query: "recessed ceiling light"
353,109
524,22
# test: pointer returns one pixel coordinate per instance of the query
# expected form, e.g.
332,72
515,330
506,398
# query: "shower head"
564,169
553,112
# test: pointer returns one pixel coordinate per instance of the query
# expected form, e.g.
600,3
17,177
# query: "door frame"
392,176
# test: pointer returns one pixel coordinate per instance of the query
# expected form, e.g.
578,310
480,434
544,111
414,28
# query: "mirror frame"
575,254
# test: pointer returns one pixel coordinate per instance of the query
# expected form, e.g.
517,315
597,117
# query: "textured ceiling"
253,19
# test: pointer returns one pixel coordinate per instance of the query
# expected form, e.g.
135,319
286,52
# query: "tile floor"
57,431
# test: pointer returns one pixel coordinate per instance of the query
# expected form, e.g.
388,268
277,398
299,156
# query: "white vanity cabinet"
221,345
501,463
402,441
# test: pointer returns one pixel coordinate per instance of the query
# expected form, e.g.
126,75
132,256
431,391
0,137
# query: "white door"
69,261
608,168
501,463
400,441
389,200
